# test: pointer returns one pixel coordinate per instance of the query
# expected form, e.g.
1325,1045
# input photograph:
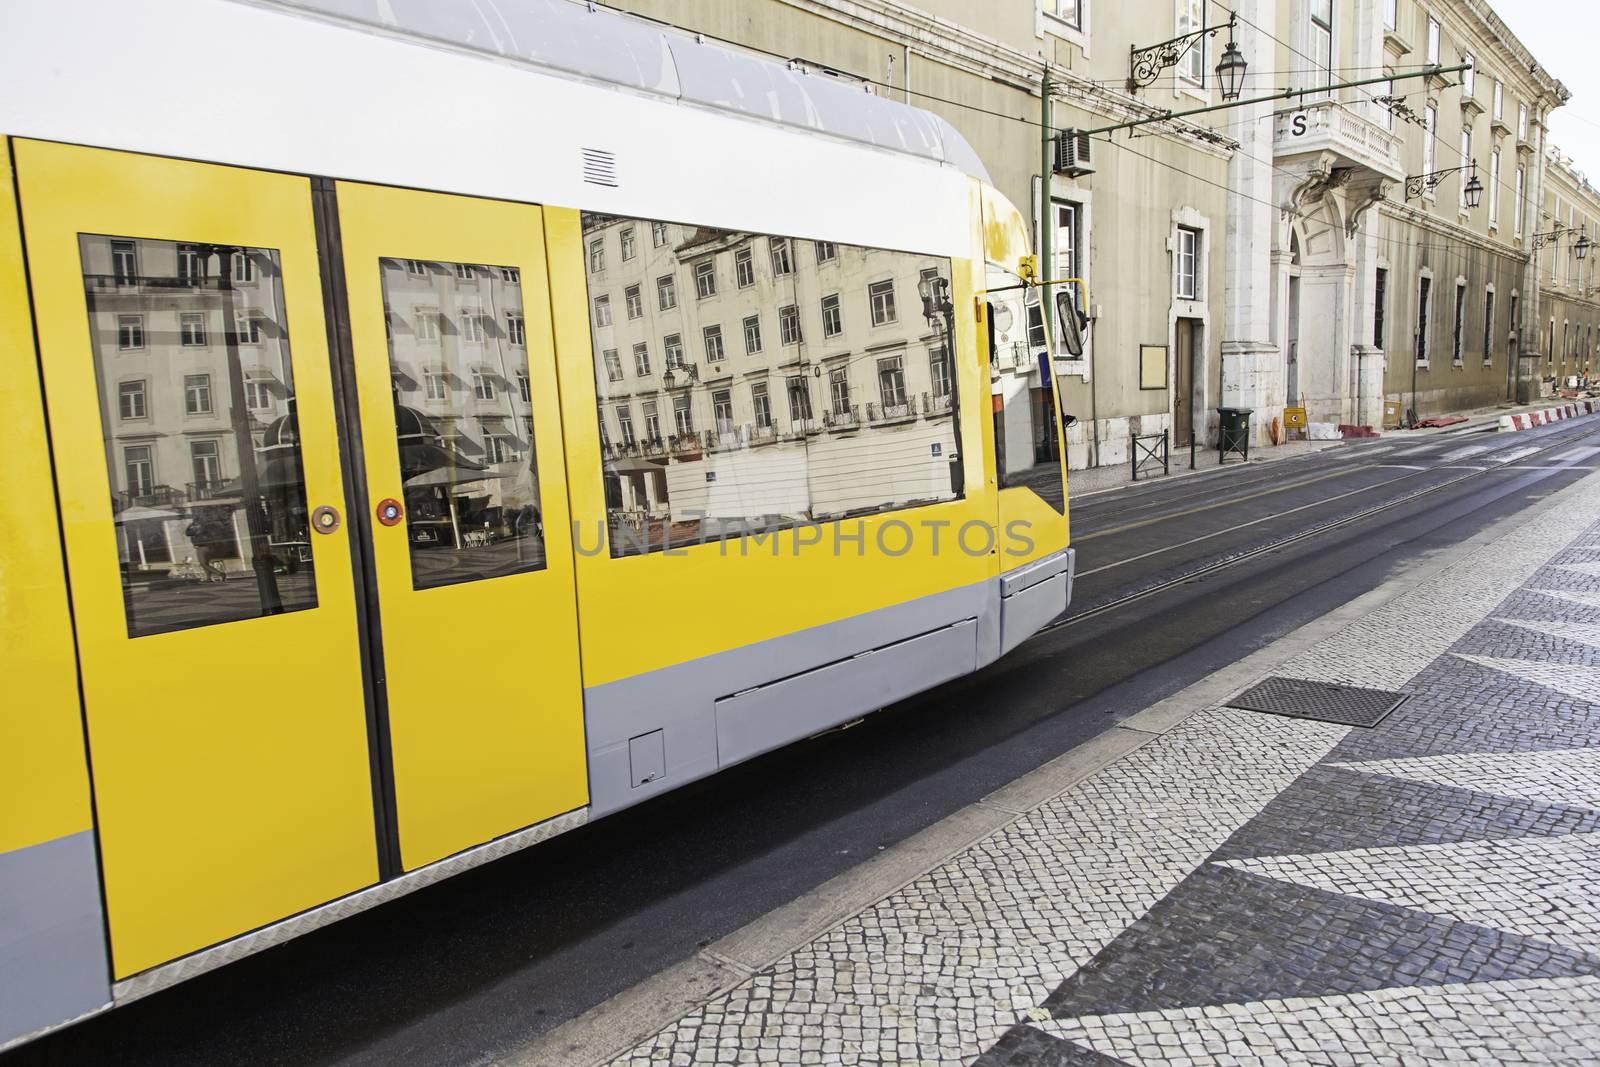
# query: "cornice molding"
1407,214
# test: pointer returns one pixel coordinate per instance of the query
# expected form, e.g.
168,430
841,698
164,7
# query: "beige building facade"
1317,250
1568,336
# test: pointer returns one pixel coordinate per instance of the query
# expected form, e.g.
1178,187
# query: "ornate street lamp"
1146,64
1550,237
1230,70
1582,246
1471,193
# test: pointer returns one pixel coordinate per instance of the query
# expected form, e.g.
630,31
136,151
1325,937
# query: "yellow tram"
430,437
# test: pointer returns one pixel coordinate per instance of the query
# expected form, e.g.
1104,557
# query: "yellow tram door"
472,544
184,354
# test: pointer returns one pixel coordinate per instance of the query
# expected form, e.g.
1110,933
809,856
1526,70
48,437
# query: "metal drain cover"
1347,705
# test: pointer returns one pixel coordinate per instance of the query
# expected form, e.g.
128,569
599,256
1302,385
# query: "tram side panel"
53,965
762,442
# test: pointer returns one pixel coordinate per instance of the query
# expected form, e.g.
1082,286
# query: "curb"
1529,420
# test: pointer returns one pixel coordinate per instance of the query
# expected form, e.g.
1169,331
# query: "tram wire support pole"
1046,174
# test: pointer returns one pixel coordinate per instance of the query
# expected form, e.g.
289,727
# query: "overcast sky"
1562,35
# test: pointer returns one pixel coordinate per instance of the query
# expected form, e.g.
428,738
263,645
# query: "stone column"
1252,366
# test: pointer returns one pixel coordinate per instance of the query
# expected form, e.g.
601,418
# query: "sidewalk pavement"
1207,885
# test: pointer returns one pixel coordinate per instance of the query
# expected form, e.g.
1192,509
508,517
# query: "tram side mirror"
1069,323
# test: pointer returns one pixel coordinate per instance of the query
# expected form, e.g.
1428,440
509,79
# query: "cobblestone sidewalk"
1254,889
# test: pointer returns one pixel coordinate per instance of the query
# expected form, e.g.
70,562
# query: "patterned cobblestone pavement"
1252,889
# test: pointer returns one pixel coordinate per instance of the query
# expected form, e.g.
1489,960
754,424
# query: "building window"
880,296
682,414
1380,307
1068,11
139,470
789,324
705,278
205,459
666,292
192,329
124,263
130,332
713,339
1469,77
1494,188
1516,223
1322,38
722,410
633,302
244,269
1424,294
516,329
1187,263
250,328
752,335
652,421
257,394
524,388
197,394
626,241
891,383
625,425
1488,326
1391,14
482,385
131,400
641,359
434,383
744,268
939,371
672,349
602,311
1191,17
658,234
826,251
761,405
1466,157
1430,130
799,399
464,272
1499,98
613,364
188,265
415,268
1458,327
1433,42
782,263
832,316
472,328
1522,122
511,275
497,448
597,255
427,320
839,391
1511,335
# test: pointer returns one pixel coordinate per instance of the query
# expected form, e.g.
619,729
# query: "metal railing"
1149,452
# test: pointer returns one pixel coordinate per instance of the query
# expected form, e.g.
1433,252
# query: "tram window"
774,437
209,529
1027,435
466,453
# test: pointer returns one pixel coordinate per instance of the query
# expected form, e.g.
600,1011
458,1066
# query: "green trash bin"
1233,432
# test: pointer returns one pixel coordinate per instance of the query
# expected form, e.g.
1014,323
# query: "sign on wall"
1152,366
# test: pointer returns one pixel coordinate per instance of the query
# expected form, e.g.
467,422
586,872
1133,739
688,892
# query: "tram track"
1560,442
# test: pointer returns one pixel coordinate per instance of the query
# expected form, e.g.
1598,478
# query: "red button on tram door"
390,512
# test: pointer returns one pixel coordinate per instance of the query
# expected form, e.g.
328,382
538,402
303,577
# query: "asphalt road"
469,969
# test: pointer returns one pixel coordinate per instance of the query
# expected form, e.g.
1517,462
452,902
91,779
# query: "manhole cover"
1347,705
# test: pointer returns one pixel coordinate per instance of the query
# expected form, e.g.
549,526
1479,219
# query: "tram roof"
606,46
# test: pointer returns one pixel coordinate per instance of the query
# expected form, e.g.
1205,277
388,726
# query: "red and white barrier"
1528,420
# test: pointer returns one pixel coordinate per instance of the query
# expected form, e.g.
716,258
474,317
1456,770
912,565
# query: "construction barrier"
1530,419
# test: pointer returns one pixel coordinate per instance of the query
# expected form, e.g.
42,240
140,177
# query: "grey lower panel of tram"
53,963
660,730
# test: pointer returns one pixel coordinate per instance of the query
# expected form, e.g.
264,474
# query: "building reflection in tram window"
197,409
463,409
750,382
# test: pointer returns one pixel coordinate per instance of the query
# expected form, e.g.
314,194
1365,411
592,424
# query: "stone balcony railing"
1330,126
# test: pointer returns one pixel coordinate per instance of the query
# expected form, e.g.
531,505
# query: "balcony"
1331,128
214,489
840,421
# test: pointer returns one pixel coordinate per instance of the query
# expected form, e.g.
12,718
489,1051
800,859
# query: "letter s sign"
1297,125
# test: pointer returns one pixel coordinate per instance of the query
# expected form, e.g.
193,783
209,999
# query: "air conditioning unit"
1074,154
